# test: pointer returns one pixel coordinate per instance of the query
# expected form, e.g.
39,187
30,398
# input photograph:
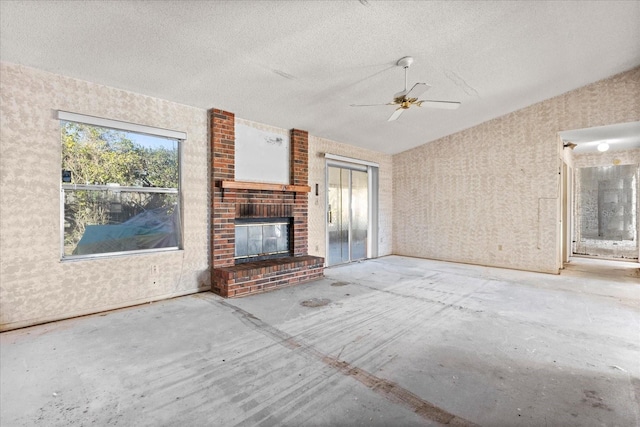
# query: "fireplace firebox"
258,239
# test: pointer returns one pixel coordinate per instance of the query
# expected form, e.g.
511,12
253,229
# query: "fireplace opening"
261,238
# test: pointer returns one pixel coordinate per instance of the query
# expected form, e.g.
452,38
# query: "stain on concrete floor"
315,302
339,283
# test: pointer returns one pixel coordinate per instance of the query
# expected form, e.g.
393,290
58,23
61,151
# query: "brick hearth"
228,278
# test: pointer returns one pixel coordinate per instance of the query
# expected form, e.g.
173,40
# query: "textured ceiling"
622,136
302,63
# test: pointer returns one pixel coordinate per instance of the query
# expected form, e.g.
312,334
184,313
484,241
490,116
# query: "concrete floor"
399,342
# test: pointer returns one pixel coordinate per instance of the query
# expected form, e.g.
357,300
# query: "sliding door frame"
372,170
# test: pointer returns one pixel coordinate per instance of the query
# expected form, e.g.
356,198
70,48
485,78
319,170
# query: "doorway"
606,212
348,213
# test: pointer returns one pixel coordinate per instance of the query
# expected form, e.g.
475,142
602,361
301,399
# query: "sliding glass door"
347,214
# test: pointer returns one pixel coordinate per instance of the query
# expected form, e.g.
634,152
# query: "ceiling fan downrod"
405,63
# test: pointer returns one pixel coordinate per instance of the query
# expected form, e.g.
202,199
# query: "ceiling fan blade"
372,105
417,90
444,105
396,114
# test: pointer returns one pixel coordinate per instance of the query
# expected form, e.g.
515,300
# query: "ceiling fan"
407,98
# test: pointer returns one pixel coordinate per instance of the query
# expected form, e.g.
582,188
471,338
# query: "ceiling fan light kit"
406,98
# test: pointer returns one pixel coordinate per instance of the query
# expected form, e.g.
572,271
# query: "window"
120,187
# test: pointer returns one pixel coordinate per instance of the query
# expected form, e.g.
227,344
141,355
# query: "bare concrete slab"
389,342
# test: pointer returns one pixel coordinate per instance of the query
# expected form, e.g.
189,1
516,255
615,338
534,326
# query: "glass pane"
242,241
338,220
255,240
606,211
360,214
100,156
103,221
344,215
269,239
282,237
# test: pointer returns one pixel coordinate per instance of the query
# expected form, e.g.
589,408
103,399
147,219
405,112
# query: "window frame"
179,136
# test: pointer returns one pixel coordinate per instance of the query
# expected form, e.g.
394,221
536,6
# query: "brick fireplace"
263,203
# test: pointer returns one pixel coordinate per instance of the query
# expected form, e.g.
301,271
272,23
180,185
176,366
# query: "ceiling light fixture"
602,147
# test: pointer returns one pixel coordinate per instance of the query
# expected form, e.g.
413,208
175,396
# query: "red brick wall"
300,176
223,168
299,157
256,277
268,204
232,203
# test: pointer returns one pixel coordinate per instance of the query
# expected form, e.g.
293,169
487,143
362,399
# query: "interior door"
347,214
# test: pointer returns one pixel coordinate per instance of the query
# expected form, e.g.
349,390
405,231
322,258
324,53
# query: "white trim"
373,221
346,165
350,160
116,124
68,258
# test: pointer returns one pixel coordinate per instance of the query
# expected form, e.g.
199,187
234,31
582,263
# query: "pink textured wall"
489,195
35,286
